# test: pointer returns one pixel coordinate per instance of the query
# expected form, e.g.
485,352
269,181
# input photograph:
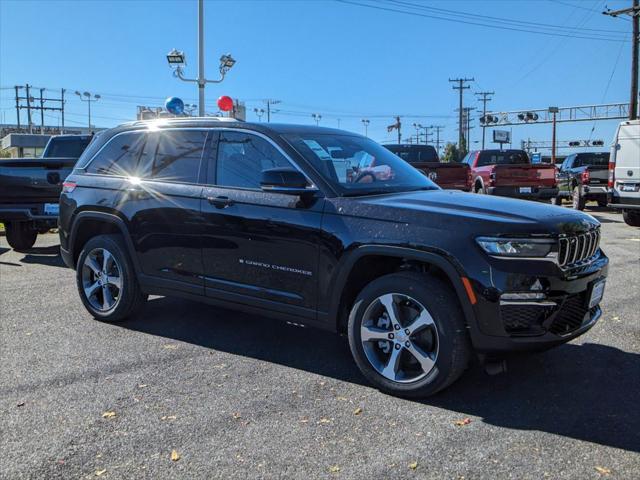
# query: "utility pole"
29,108
398,126
18,104
62,108
41,111
484,98
634,12
269,102
437,128
460,87
553,111
467,113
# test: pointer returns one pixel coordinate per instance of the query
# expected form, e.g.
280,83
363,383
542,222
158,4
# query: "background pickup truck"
456,176
30,188
510,173
583,177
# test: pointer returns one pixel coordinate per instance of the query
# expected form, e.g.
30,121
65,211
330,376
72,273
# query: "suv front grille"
575,249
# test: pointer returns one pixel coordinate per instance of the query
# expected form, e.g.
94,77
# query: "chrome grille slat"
576,249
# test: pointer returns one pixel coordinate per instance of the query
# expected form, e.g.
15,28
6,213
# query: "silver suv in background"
624,172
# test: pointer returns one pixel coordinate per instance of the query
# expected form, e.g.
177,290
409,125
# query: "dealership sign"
501,136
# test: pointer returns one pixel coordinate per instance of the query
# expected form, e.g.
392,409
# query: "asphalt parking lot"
239,396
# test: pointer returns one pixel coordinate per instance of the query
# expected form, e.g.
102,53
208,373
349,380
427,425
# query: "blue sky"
341,60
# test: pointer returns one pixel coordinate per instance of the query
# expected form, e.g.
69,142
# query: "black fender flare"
454,274
105,217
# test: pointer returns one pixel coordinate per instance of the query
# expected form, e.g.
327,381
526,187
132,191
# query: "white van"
624,171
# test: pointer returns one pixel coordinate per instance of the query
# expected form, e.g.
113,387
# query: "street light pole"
201,79
177,61
87,98
366,122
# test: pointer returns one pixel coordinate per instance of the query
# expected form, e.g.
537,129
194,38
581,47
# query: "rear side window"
178,156
120,156
502,158
67,147
242,157
593,160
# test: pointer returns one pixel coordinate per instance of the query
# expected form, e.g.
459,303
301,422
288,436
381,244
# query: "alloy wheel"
399,338
102,279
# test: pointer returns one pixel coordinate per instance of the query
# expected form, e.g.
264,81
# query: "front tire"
407,334
20,235
106,279
631,218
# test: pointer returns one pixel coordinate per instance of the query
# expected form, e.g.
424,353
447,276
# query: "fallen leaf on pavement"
175,456
100,472
142,385
464,421
108,414
168,417
603,470
236,415
357,411
324,420
20,404
334,469
170,346
304,420
413,465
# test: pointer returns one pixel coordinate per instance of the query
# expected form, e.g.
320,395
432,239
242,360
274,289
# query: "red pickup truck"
455,176
510,173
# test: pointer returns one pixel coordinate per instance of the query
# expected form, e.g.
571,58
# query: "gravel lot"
238,396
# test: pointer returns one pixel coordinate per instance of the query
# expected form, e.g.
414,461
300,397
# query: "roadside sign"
536,157
501,136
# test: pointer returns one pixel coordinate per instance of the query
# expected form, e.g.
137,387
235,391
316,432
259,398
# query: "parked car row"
610,179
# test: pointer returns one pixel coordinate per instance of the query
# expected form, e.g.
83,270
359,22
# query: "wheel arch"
476,181
398,259
89,224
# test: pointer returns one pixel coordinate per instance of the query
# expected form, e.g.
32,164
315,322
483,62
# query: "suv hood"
445,208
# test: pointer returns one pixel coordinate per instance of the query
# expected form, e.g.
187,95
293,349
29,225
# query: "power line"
500,19
593,36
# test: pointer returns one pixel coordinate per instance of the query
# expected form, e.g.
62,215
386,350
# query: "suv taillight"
612,174
469,179
586,176
68,187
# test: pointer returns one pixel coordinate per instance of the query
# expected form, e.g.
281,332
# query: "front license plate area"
525,189
51,209
597,292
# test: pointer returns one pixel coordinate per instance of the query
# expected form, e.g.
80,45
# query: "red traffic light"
225,103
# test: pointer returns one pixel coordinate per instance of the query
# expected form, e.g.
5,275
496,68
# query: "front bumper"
562,315
537,193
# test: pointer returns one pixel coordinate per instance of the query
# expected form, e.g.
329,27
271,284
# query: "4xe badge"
433,176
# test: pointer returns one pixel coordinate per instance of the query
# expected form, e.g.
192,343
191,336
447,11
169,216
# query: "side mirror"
285,180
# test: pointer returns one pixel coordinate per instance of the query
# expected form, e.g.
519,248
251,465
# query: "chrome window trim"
137,130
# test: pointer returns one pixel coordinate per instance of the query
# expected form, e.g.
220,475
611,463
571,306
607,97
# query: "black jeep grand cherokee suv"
326,228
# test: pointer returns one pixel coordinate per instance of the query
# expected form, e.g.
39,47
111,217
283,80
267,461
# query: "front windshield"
357,165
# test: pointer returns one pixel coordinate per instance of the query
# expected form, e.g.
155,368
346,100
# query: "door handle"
220,202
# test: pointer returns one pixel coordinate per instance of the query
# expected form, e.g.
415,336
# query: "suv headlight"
516,247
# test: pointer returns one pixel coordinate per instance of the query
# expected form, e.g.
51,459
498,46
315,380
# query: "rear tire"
107,281
556,201
631,217
20,235
411,359
602,203
577,200
480,189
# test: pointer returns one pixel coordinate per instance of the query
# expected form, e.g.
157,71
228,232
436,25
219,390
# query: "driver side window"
242,157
